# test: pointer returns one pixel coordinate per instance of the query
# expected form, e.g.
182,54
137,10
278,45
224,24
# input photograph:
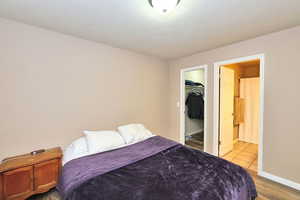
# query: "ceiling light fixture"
164,5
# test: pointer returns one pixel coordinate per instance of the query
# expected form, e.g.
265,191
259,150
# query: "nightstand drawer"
18,182
46,175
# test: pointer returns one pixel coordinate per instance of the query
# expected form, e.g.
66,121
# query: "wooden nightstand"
26,175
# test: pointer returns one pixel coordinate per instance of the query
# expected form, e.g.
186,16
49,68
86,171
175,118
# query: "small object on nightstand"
37,151
25,175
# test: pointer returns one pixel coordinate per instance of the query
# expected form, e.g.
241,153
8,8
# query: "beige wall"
53,86
282,99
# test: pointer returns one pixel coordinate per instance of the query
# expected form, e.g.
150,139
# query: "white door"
226,110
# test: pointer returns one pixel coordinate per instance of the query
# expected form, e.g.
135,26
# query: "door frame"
182,103
216,106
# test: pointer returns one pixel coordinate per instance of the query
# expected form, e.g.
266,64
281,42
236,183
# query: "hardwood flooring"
196,141
269,190
51,195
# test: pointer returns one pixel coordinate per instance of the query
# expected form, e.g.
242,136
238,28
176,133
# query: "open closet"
194,108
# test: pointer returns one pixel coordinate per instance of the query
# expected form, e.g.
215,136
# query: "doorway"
193,93
238,111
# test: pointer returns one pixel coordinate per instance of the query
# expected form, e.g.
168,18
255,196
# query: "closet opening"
239,116
193,107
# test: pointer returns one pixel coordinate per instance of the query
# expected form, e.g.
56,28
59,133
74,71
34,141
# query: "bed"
154,169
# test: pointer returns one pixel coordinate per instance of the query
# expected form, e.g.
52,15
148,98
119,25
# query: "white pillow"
100,141
76,149
79,146
132,133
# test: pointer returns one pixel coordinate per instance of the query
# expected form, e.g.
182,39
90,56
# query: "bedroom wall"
53,86
282,102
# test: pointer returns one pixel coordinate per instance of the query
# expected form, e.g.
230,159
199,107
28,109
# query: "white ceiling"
194,26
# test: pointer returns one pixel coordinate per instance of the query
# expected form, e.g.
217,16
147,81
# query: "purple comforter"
154,169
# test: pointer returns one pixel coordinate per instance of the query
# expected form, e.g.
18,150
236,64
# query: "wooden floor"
196,141
269,190
51,195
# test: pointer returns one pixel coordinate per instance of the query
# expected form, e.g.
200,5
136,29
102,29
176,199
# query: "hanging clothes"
195,105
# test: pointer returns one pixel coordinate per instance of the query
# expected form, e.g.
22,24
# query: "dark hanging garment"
195,105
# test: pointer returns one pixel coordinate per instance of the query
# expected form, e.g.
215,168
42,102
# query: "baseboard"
280,180
253,142
194,132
